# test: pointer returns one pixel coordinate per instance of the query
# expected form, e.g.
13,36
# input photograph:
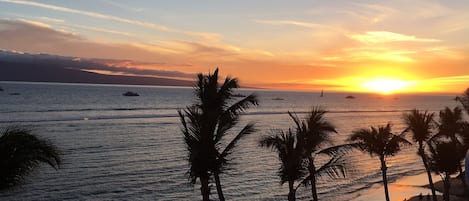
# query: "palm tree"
313,134
420,125
445,160
451,125
464,100
21,152
290,155
209,120
379,142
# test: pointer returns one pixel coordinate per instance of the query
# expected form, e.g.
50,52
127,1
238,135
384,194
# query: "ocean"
131,148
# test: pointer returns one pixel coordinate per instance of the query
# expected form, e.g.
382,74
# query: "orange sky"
365,46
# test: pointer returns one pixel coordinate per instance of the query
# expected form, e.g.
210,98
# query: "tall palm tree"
420,124
314,133
379,142
451,125
290,155
210,118
445,160
20,153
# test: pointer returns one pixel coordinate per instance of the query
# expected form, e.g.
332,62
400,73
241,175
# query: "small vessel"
322,93
1,89
350,97
277,98
14,94
130,93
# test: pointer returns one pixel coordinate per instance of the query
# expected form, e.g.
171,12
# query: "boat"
1,89
14,94
278,98
350,97
322,93
130,93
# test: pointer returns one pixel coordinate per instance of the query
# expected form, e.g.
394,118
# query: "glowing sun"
385,86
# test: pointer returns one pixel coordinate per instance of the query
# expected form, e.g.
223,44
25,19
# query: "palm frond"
464,100
338,149
378,141
289,154
226,89
21,152
248,129
336,167
230,116
297,121
243,104
420,124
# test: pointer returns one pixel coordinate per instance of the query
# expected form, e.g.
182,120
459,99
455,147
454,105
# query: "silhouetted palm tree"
445,160
21,152
313,134
464,100
209,120
291,157
379,142
451,125
420,124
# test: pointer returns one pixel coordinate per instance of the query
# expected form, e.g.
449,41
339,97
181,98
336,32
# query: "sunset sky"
377,46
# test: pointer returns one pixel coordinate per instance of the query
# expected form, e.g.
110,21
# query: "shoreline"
403,188
411,187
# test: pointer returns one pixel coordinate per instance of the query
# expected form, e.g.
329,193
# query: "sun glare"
385,86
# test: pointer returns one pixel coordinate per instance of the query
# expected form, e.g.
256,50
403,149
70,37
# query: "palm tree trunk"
291,193
463,181
219,189
385,178
421,152
312,177
204,189
447,185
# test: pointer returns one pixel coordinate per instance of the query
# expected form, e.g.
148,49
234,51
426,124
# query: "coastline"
403,188
411,187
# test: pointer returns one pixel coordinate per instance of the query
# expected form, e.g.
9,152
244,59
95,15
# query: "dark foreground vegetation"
441,142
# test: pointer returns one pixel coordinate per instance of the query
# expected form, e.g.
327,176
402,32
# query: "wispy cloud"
108,31
386,37
113,18
53,20
122,6
451,79
289,22
36,23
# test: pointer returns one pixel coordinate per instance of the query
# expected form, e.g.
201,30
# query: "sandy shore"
399,190
456,190
409,188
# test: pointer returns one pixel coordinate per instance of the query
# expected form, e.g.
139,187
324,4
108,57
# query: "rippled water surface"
131,148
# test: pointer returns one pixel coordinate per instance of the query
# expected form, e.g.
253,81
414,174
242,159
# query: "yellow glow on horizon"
386,86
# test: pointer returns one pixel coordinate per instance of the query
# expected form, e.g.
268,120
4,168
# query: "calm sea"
131,148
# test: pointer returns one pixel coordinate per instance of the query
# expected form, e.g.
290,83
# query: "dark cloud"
113,66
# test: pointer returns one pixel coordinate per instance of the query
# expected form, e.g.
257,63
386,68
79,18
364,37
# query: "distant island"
52,68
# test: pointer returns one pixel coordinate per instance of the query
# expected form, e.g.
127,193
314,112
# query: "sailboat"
322,93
